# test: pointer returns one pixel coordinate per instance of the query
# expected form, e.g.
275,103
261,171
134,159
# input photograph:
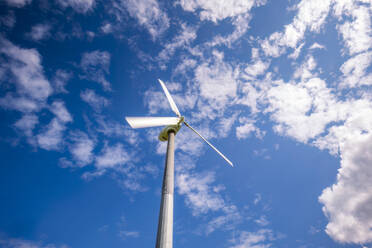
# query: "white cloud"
185,65
96,65
27,124
248,127
260,239
241,25
22,104
149,15
187,35
156,100
309,110
112,156
296,52
60,80
81,6
227,221
316,46
357,34
214,10
258,67
244,131
225,125
58,108
128,234
217,82
40,32
302,110
22,243
25,67
262,221
81,148
18,3
306,70
113,129
311,16
199,196
348,202
97,102
355,71
107,28
52,136
8,20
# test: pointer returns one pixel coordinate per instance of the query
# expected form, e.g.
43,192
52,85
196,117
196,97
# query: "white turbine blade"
141,122
170,99
227,160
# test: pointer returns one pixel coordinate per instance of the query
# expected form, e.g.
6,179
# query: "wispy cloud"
148,14
18,3
23,243
112,156
27,71
218,10
96,65
96,101
81,6
40,32
260,239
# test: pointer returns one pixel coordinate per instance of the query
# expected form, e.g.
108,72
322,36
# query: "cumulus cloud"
27,124
261,239
355,71
217,82
22,104
311,16
256,68
214,10
60,80
247,128
58,108
96,65
357,33
97,102
22,243
316,46
348,202
81,6
8,20
148,14
81,148
240,24
302,110
114,129
40,32
128,234
51,137
26,70
112,156
199,196
187,35
18,3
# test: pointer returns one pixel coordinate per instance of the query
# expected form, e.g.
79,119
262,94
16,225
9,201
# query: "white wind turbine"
173,124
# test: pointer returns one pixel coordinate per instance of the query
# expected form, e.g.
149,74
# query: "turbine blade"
170,99
223,156
141,122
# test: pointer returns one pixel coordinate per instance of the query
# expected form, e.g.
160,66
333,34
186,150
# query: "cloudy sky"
281,87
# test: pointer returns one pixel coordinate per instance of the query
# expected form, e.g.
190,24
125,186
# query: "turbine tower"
164,238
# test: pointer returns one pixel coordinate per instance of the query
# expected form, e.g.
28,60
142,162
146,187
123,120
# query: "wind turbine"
164,238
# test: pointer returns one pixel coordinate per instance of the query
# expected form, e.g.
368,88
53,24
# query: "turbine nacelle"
172,123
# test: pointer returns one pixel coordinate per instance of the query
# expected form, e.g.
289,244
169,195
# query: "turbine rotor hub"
163,136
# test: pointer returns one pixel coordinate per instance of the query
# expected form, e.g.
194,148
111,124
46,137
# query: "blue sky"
282,88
